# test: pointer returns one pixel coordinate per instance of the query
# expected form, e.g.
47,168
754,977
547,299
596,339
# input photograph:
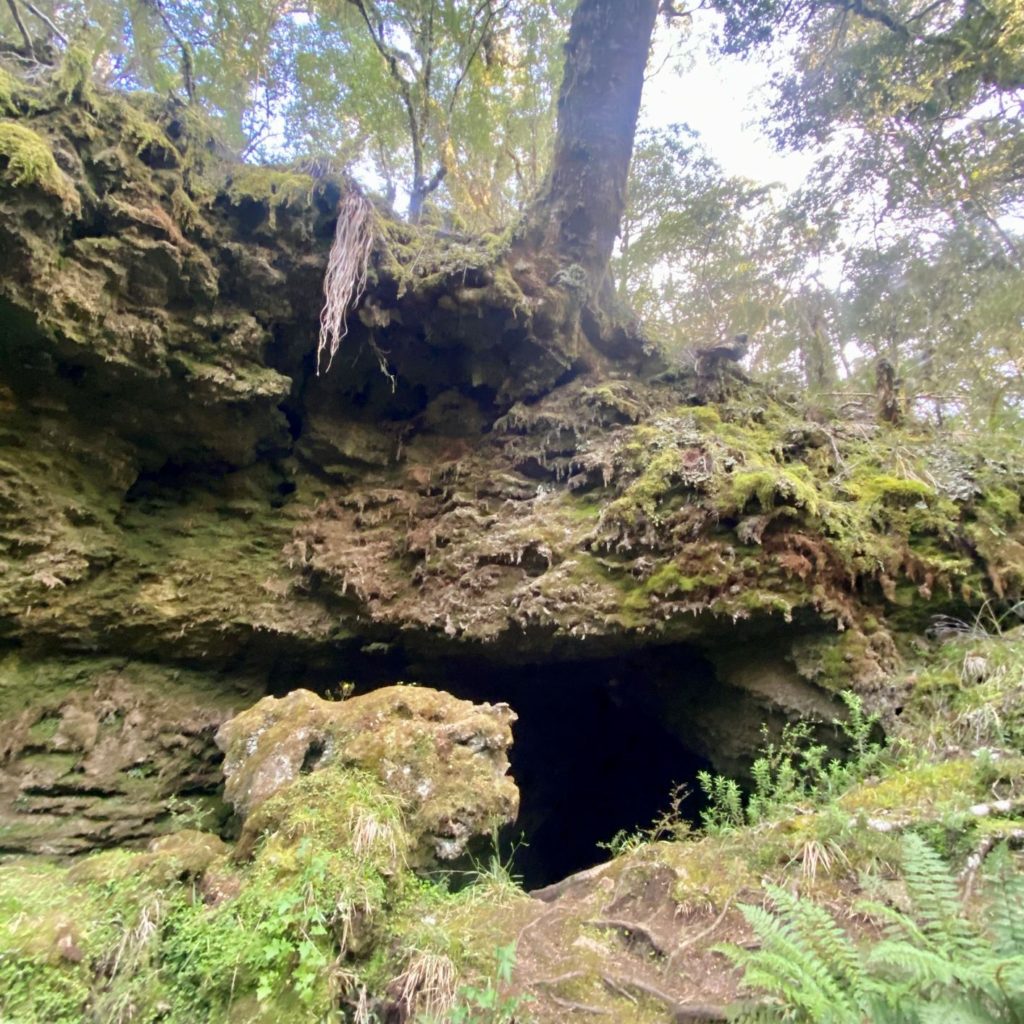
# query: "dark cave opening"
599,745
592,758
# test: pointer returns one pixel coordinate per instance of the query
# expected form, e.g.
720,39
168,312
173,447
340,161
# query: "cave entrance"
597,750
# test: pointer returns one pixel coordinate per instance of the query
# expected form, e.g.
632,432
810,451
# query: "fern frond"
924,967
789,967
934,896
895,923
962,1011
1004,894
932,965
757,1014
819,930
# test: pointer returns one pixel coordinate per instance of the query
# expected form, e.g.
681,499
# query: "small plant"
495,877
793,771
725,802
933,962
490,1003
670,825
184,813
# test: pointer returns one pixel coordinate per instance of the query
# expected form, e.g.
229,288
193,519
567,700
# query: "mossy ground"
325,913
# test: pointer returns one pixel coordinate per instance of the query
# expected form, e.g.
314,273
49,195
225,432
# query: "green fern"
1005,891
932,964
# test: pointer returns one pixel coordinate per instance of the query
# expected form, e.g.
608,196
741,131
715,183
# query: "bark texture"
577,217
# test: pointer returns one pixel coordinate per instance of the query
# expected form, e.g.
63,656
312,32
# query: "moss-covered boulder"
445,759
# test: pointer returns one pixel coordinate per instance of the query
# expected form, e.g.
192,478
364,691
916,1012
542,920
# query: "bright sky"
722,101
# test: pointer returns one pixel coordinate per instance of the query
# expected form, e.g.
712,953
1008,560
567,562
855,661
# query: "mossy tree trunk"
576,218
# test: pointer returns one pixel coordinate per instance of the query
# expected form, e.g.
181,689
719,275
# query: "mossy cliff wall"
190,516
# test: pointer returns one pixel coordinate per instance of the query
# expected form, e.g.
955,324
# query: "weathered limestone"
445,759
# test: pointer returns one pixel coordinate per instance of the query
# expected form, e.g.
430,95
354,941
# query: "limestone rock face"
100,752
179,488
445,759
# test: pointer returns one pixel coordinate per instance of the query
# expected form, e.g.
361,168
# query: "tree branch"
16,14
492,14
32,9
391,57
860,8
187,60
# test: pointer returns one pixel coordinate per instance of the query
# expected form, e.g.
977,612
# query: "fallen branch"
977,858
560,979
995,808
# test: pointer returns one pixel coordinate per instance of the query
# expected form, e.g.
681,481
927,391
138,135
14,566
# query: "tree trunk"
577,216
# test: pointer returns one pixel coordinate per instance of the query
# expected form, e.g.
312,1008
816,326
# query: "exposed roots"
345,280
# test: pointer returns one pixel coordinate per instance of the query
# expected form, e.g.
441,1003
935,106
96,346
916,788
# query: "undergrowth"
793,771
324,923
936,961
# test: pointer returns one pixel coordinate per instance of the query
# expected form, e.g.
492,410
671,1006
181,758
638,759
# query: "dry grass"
816,855
427,986
370,835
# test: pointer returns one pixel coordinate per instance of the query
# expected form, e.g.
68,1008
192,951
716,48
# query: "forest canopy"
904,243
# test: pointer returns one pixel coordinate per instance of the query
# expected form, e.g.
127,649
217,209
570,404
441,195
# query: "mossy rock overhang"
179,488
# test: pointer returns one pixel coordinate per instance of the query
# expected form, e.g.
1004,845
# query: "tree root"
631,930
569,1004
679,1011
701,935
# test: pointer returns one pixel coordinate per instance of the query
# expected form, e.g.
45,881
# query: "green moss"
45,729
669,580
707,417
144,135
581,510
616,397
34,992
646,495
915,790
73,80
771,487
8,92
835,662
29,162
889,490
1004,503
57,934
270,188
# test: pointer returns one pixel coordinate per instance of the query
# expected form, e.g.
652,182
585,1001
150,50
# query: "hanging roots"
345,280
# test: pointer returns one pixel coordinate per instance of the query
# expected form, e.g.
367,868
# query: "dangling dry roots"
345,280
